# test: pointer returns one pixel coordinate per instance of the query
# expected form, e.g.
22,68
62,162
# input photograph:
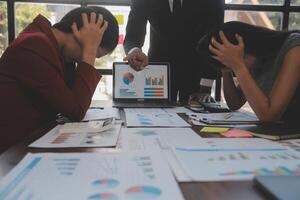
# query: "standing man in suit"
176,27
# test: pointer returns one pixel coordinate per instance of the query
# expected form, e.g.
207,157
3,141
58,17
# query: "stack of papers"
91,176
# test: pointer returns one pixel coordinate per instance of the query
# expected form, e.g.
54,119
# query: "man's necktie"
176,7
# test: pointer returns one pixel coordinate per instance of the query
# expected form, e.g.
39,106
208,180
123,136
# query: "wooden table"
240,190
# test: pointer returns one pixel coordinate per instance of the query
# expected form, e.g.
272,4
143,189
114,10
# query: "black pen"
101,108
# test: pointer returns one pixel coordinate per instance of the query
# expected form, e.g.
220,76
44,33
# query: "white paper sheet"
57,139
179,109
156,117
225,118
90,176
101,113
199,123
141,139
222,161
159,139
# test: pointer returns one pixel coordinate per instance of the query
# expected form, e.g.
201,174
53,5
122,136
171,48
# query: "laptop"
148,88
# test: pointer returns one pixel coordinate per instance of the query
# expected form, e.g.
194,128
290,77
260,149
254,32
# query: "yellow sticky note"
214,129
120,19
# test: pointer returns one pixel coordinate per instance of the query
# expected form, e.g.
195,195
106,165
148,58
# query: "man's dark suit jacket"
173,38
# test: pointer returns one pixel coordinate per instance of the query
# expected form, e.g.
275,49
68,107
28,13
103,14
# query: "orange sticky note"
236,133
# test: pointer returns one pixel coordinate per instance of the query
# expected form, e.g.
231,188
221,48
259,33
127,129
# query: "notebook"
275,131
279,187
148,88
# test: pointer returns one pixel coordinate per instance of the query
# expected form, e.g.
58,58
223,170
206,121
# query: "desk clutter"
144,155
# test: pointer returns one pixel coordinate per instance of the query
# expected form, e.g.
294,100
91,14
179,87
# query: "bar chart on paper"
280,170
56,138
145,139
153,117
237,164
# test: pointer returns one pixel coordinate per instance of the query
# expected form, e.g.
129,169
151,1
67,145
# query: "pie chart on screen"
143,192
128,78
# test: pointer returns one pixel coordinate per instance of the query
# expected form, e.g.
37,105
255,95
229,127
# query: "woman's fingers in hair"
223,37
240,40
216,44
104,27
85,19
216,57
93,17
100,20
214,50
75,29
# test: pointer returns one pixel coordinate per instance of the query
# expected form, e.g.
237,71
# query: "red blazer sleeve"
41,77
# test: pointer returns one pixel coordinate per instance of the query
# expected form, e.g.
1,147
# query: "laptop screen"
150,83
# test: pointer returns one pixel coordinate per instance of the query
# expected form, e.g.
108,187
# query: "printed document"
90,176
139,117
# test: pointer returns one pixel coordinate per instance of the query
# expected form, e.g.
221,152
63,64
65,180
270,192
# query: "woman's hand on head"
230,55
90,35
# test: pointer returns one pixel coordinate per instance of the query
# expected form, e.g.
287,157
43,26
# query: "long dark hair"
111,35
259,41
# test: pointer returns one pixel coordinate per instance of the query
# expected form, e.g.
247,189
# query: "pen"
227,116
101,108
101,119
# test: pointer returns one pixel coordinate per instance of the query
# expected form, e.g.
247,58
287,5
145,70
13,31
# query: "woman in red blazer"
48,70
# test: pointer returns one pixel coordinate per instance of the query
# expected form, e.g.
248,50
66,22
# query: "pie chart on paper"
103,196
106,183
143,192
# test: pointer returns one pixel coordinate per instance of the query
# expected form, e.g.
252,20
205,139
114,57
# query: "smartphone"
214,107
198,108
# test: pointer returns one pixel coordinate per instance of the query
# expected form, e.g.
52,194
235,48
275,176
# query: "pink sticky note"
236,133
